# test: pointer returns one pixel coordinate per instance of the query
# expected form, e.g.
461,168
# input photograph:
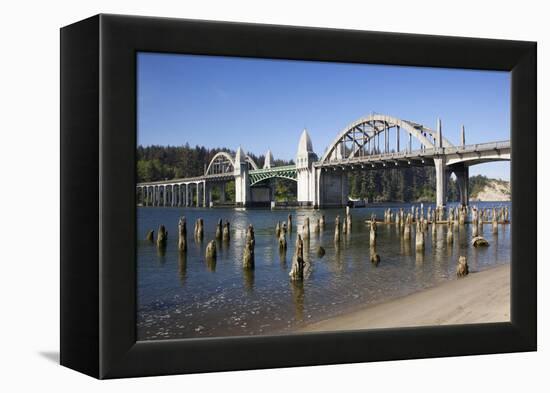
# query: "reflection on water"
188,295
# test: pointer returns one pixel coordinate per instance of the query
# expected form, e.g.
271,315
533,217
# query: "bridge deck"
415,157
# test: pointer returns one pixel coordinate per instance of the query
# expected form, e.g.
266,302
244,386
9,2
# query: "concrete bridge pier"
242,183
305,172
462,174
441,176
333,188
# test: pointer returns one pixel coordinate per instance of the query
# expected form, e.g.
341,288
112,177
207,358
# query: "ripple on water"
183,296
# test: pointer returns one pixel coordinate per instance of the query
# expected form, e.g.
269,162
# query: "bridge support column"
333,188
183,195
172,195
222,193
197,198
440,181
186,196
305,171
462,173
242,182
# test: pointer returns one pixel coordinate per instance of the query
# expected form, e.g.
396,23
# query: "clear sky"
264,104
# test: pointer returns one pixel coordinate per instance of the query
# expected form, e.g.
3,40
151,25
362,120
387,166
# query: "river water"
183,296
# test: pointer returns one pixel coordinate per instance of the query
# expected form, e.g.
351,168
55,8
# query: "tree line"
170,162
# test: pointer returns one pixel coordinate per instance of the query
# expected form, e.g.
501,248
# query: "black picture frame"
98,220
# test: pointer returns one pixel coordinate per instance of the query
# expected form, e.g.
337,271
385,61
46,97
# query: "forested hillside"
168,162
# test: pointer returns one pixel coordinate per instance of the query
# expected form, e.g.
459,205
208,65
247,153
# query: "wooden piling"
219,230
297,269
211,250
248,254
182,234
226,232
162,236
462,269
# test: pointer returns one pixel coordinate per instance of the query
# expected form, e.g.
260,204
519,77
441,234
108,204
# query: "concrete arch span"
362,132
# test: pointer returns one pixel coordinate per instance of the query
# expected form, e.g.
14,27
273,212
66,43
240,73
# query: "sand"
480,297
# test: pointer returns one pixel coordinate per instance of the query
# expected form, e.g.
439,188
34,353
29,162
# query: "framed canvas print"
296,196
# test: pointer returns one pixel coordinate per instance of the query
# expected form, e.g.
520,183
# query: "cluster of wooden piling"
404,221
453,218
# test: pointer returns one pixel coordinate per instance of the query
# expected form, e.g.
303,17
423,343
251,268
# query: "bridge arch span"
360,133
224,163
221,163
252,163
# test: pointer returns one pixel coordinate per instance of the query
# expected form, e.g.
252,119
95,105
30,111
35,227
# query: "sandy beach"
480,297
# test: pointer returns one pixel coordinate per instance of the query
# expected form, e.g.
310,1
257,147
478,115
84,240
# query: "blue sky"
264,104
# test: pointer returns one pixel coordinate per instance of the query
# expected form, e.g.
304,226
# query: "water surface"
183,295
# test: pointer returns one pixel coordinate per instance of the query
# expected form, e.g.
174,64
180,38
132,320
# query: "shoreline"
480,297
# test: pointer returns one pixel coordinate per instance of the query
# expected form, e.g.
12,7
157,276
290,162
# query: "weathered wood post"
248,254
150,236
344,225
475,225
199,229
226,232
480,241
182,234
219,230
450,230
211,250
289,223
419,237
462,267
494,221
305,229
372,238
297,269
162,236
337,229
282,240
322,222
316,226
407,228
278,229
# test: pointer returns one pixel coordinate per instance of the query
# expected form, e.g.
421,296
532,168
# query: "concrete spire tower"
242,185
305,157
305,151
268,162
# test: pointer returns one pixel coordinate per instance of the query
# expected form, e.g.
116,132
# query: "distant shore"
480,297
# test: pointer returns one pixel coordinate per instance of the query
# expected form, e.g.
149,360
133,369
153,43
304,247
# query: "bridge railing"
498,145
171,181
282,168
420,153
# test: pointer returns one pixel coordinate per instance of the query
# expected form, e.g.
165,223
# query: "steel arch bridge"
222,163
362,138
372,142
282,172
